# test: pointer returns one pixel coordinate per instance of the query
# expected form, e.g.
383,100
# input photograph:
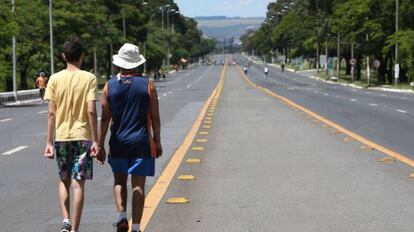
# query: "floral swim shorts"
74,160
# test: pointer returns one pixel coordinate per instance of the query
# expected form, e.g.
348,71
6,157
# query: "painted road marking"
197,148
99,118
202,76
201,140
6,120
165,94
387,160
352,99
373,104
402,111
186,177
193,161
339,128
177,200
160,187
188,86
383,95
326,94
204,133
14,150
42,112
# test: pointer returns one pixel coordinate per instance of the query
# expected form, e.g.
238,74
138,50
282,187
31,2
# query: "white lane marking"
202,76
42,112
170,92
188,86
14,150
354,100
99,118
373,104
165,94
337,96
383,95
6,119
402,111
326,94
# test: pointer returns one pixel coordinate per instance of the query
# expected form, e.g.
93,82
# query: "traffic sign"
377,64
352,61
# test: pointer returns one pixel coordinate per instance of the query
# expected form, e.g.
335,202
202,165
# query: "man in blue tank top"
130,105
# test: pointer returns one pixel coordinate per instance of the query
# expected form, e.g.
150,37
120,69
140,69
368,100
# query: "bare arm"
49,151
93,125
156,122
105,120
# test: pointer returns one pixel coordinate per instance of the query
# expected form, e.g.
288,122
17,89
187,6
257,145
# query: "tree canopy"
303,27
155,25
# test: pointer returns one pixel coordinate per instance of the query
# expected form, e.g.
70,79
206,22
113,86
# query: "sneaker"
122,226
66,227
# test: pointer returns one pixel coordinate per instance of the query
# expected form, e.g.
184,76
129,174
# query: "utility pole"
397,9
52,63
14,59
162,17
339,56
353,65
368,68
123,22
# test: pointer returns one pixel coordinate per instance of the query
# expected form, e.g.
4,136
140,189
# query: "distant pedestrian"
131,103
72,130
41,84
283,67
245,70
266,71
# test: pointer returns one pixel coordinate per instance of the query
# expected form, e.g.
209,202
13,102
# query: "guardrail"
21,95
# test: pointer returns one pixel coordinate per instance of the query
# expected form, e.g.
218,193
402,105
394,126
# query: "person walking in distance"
41,84
130,104
245,70
266,71
72,130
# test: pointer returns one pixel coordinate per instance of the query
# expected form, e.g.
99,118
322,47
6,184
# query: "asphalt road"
267,168
28,182
386,118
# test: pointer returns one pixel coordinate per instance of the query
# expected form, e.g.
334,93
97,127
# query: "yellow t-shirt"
71,91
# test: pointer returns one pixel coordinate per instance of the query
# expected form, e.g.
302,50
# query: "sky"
231,8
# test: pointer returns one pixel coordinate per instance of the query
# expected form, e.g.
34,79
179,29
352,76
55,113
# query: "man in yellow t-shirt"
72,130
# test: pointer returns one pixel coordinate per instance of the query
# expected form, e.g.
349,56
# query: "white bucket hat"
128,57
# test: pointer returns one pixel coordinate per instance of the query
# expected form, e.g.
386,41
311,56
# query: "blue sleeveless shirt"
129,100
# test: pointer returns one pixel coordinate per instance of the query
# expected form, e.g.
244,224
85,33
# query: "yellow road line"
338,127
160,187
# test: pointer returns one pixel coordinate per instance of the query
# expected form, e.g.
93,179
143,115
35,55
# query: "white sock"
67,220
135,227
121,216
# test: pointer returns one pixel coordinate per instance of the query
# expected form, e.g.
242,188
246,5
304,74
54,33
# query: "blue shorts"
136,167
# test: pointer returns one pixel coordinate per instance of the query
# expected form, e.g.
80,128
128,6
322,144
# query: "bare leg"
64,197
78,198
138,198
120,191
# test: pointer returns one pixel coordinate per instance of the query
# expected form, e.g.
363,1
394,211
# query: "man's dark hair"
73,50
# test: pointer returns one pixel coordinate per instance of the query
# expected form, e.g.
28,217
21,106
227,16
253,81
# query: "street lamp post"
14,59
123,22
397,7
52,63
